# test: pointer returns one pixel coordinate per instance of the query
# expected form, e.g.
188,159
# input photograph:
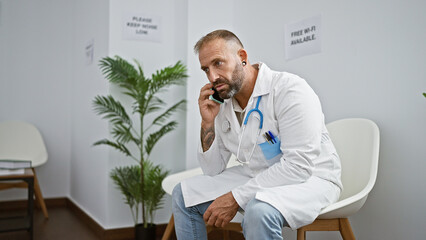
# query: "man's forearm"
207,136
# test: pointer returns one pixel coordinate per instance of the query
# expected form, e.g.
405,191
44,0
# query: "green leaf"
154,104
111,109
132,93
163,117
119,146
142,84
153,192
139,67
154,137
123,134
172,75
119,71
424,94
127,180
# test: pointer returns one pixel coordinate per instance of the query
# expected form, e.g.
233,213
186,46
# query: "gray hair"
221,33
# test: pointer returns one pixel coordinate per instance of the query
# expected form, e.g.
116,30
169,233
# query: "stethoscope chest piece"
226,126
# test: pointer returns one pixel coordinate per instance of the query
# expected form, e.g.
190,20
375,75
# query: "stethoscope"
256,109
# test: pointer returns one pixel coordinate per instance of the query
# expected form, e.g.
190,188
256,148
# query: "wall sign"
302,38
142,27
89,49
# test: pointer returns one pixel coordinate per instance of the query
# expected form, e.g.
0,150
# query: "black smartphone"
215,97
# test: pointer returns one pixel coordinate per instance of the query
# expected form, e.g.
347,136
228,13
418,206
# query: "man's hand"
221,211
208,110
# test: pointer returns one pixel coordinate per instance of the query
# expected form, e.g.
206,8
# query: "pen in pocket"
272,137
267,138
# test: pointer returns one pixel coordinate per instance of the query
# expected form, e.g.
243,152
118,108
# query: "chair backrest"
22,141
357,142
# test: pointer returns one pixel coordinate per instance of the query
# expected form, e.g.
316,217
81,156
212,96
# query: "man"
290,169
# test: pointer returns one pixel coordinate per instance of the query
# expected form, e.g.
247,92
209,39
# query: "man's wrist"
206,125
235,203
207,135
238,199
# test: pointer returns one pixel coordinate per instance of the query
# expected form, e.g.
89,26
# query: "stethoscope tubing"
256,109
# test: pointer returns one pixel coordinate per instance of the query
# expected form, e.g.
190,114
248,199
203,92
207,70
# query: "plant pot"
142,233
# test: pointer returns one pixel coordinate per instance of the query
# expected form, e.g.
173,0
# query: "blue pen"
272,136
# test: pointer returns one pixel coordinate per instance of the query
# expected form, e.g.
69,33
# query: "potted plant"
141,183
127,179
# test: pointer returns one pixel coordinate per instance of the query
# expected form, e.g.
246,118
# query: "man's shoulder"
282,77
284,81
281,83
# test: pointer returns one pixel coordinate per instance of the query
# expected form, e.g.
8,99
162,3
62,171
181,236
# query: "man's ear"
242,54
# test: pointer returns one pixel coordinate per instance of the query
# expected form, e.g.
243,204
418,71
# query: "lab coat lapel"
262,87
263,81
231,117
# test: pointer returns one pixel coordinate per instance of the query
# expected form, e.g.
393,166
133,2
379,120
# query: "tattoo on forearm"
207,137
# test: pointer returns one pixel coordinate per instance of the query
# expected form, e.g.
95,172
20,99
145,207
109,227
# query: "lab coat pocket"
270,150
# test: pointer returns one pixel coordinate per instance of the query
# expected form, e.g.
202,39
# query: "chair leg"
39,196
209,229
301,234
345,229
226,235
169,229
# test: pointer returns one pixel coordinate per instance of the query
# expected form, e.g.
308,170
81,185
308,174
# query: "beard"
235,83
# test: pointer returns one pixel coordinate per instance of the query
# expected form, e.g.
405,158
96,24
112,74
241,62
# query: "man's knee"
259,212
262,221
177,196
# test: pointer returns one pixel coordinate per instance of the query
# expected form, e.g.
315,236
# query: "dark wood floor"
64,224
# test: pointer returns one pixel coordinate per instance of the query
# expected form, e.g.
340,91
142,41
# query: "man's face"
220,61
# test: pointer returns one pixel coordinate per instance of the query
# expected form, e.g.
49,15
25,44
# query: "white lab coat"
300,181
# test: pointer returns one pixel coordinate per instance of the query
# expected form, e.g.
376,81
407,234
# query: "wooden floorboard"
62,224
68,222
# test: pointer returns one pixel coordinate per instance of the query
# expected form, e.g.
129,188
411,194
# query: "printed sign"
90,49
142,27
302,38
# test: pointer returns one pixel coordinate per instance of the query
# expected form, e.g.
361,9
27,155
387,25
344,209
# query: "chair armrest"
172,180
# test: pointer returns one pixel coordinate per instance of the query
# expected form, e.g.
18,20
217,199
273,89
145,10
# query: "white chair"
22,141
357,143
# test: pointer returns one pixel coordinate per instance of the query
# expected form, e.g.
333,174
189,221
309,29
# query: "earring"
244,63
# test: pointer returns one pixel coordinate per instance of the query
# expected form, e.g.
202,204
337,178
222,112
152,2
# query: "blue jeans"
261,220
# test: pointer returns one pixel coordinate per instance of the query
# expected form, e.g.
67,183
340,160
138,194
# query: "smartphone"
215,97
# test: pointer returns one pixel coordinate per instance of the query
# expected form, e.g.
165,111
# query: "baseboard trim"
104,234
85,218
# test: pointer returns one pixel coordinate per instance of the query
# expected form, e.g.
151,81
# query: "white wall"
44,79
170,150
35,77
89,164
371,66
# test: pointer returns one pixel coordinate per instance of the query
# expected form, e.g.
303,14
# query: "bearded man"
273,122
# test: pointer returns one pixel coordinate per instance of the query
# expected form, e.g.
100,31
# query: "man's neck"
246,90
